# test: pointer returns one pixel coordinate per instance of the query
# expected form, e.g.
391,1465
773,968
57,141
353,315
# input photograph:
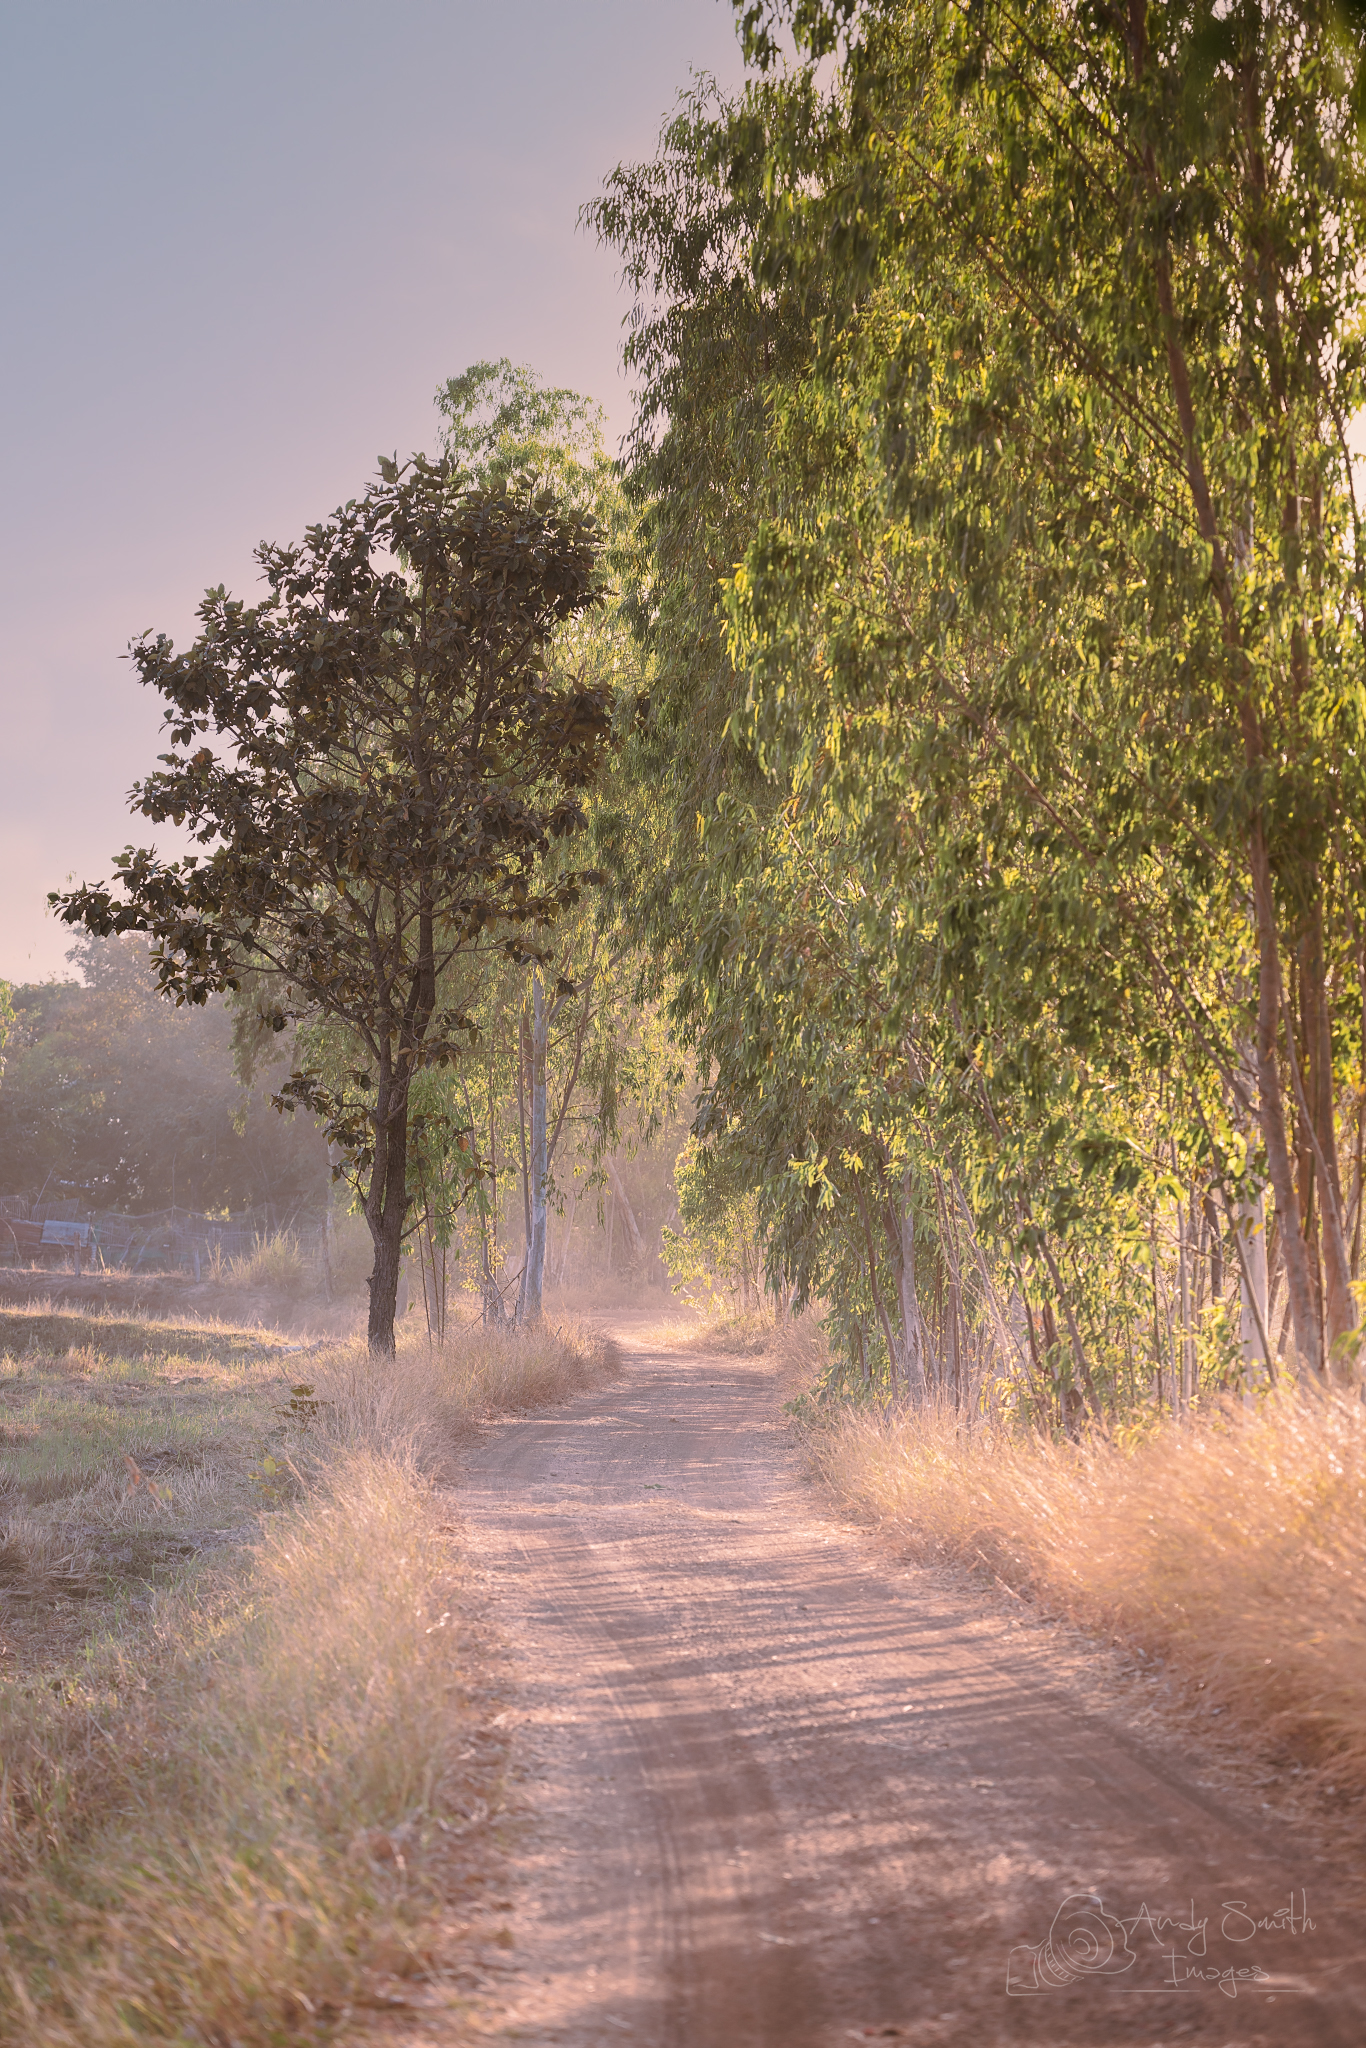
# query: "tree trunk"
1271,1105
533,1269
889,1334
569,1232
1085,1388
386,1204
1254,1308
628,1214
1183,1279
912,1359
1340,1315
1215,1228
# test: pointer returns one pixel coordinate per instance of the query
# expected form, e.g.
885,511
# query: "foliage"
1004,597
397,763
715,1250
115,1097
535,1107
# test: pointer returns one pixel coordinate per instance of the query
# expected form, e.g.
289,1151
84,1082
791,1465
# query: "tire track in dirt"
783,1800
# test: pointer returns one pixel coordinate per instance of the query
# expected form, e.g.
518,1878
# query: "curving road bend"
786,1796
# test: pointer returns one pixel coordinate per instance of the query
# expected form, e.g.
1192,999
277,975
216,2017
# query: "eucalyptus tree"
1119,255
1013,369
382,768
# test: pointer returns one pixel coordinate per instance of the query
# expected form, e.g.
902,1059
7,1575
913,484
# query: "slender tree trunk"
889,1334
522,1135
913,1362
628,1214
1254,1309
538,1197
1340,1315
569,1232
865,1377
386,1203
1006,1338
1215,1228
1299,1281
1085,1386
1359,1194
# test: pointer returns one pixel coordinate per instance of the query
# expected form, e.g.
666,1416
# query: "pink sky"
242,245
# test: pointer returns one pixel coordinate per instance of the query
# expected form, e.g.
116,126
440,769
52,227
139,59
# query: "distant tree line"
113,1098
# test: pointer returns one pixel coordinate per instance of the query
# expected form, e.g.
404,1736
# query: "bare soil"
783,1792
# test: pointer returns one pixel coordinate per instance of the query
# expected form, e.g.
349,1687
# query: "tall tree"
381,765
1010,361
502,425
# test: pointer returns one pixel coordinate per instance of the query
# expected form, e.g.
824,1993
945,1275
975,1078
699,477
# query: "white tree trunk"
628,1214
1254,1316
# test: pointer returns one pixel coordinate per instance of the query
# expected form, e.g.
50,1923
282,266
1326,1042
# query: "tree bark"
1086,1391
538,1198
1340,1314
628,1214
888,1333
1254,1310
901,1230
386,1203
1271,1107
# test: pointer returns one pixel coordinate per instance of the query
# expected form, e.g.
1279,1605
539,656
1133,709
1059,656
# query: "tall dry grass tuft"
428,1392
1235,1546
224,1825
274,1265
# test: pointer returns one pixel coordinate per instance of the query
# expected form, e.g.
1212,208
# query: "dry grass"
232,1811
1235,1547
274,1265
683,1328
439,1391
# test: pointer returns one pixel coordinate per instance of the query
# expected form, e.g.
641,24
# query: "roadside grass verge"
1235,1547
244,1778
444,1391
684,1328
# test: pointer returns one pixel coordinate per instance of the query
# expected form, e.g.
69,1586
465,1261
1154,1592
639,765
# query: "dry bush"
1235,1546
801,1352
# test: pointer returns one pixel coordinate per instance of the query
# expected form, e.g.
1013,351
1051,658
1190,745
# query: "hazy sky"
243,241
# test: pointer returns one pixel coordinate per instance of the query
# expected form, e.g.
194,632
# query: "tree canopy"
379,762
1005,600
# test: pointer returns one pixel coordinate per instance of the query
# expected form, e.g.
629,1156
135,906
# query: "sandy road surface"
784,1798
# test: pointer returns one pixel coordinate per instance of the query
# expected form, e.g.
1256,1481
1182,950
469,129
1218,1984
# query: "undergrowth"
232,1811
1234,1545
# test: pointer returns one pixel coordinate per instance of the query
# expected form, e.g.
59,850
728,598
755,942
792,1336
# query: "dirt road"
788,1797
